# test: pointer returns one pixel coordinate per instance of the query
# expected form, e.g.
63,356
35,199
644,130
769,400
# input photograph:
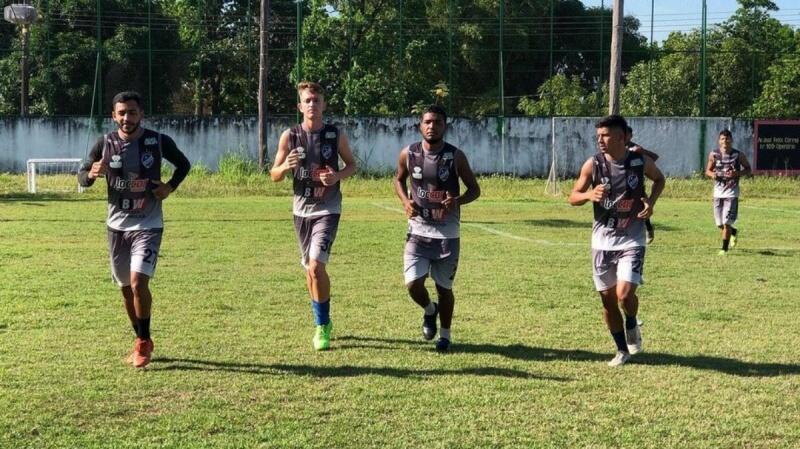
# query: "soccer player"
311,151
725,166
433,207
636,148
613,180
130,158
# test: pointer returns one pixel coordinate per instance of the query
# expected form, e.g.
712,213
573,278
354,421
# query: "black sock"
725,243
734,231
630,322
135,329
648,225
143,328
619,339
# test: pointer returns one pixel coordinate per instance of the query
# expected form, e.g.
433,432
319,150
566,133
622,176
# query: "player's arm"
745,164
464,172
652,172
350,166
400,186
710,172
286,159
581,193
182,166
93,166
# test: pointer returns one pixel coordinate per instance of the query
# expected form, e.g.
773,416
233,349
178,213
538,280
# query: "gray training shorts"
437,257
609,267
133,251
726,210
315,236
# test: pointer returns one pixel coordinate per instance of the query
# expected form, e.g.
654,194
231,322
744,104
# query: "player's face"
311,105
432,127
127,115
725,142
610,138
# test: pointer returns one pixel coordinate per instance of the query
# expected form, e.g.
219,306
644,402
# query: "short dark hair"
612,121
727,133
434,109
628,129
128,95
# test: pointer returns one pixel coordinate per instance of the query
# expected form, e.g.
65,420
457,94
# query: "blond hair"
311,86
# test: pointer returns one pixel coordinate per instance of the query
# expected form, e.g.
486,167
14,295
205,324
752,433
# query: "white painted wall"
525,151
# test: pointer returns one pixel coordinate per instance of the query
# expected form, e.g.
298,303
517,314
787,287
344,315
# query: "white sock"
444,333
430,308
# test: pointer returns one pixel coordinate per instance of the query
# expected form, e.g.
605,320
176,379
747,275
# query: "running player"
311,151
130,158
725,166
613,180
433,207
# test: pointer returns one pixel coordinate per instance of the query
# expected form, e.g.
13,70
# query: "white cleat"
619,359
633,337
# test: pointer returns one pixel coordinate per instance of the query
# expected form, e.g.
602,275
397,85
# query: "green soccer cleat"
722,252
733,242
322,336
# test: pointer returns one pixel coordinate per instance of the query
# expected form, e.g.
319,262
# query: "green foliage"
781,90
560,96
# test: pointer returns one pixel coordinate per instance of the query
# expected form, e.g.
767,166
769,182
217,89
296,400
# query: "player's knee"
140,285
416,284
443,291
316,270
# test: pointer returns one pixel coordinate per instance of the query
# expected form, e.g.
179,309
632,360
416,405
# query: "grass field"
233,365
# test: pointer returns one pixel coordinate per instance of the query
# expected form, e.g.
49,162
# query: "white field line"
493,231
771,209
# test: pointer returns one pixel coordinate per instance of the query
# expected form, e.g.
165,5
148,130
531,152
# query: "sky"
684,15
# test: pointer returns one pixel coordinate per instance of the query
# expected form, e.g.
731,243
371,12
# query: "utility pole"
263,70
616,57
23,15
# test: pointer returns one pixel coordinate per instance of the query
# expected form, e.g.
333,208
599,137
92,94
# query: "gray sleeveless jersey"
616,226
311,197
725,187
432,176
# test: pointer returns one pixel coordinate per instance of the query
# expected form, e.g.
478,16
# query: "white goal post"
54,175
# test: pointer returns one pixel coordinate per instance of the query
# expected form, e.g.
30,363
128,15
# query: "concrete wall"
525,150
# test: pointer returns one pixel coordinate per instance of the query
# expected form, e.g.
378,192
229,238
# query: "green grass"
233,363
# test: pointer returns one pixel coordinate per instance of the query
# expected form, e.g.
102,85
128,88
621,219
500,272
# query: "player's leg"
730,220
719,220
145,246
630,270
443,272
416,265
323,234
605,281
119,251
651,232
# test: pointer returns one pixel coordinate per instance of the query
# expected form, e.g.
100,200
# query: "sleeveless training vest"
321,150
433,176
725,187
616,225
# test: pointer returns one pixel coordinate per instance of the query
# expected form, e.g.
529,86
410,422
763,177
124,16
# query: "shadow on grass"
773,252
521,352
278,369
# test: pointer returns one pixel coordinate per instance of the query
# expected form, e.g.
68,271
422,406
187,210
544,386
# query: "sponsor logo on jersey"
417,173
444,173
151,141
116,161
633,181
637,162
147,159
330,135
326,151
434,196
133,185
447,156
304,173
625,205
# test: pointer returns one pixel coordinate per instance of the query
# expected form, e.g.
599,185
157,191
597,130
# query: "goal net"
53,175
551,187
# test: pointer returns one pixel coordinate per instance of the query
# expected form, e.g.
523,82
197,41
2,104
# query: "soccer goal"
552,187
53,175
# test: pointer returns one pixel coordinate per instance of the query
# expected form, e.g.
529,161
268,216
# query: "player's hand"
98,169
329,177
163,190
647,211
292,160
450,202
635,149
598,193
410,209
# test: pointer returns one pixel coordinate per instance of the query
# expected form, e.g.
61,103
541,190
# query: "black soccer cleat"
429,323
443,345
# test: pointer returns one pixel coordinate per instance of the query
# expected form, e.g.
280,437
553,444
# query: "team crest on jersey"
116,161
417,173
633,181
326,150
148,159
330,135
444,173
